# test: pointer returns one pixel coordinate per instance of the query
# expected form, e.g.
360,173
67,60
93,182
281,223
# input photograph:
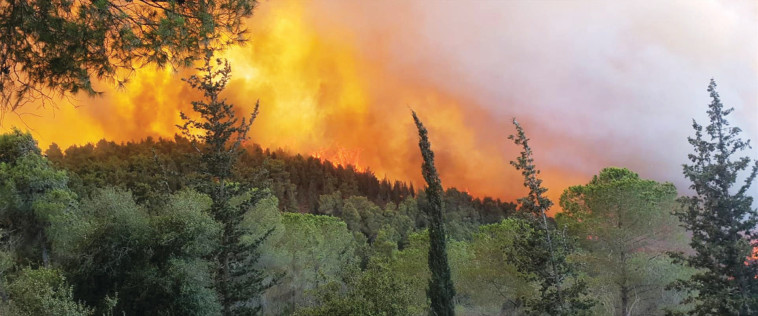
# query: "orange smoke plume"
320,93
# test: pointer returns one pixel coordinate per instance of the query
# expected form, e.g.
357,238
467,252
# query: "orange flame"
317,88
341,157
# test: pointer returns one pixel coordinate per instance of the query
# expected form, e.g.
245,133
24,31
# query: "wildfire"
317,87
341,157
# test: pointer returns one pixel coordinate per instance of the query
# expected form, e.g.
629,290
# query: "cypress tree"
721,219
542,251
238,282
440,291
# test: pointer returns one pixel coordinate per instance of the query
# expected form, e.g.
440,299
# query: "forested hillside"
124,226
208,225
179,209
150,168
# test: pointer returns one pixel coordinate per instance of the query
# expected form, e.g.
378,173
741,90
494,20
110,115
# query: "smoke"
594,84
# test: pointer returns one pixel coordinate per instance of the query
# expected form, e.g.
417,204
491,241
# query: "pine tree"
629,224
721,220
542,251
56,47
441,290
238,282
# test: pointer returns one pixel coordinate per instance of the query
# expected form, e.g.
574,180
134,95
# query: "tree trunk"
225,285
624,287
624,300
555,275
45,254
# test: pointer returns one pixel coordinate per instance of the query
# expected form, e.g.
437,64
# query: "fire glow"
319,94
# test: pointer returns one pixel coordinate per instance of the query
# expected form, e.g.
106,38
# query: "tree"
720,218
50,47
146,261
32,196
375,291
238,281
490,278
543,252
441,290
43,292
625,224
312,250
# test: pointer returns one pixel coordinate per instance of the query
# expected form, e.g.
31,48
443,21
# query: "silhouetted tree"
54,47
238,282
441,290
721,220
544,251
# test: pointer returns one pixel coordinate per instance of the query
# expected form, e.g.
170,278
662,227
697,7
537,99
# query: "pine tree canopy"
55,47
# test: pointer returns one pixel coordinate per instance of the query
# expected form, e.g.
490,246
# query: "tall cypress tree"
542,251
238,282
721,219
441,290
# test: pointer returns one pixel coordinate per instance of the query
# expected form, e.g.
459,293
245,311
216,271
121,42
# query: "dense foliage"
238,281
723,224
150,168
53,47
441,290
629,225
542,251
217,226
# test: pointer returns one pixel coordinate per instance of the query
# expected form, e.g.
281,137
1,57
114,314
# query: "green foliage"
261,218
170,250
377,291
42,292
312,250
222,133
490,279
720,218
410,265
152,261
54,47
542,253
184,226
394,281
535,202
150,169
363,216
32,195
625,225
239,283
441,290
15,145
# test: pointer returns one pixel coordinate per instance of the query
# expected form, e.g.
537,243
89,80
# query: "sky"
594,84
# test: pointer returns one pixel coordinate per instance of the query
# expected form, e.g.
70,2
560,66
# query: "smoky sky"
596,83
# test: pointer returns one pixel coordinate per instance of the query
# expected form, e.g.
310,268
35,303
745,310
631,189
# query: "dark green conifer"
722,222
441,290
541,253
238,282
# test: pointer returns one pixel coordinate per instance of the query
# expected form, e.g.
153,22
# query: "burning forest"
237,157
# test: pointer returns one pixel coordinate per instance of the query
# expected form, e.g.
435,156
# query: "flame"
341,157
320,93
